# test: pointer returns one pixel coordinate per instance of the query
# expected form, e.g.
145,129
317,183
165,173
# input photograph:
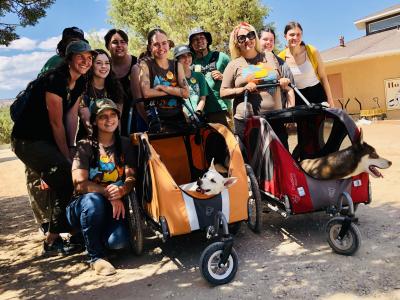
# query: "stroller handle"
182,101
274,83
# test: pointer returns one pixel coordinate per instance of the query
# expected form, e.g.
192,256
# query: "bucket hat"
198,30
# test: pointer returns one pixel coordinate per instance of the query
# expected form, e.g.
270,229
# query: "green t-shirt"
197,88
51,64
214,103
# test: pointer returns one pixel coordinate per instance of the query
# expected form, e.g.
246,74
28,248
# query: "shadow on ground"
289,257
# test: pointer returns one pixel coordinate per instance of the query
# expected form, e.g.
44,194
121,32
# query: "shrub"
6,125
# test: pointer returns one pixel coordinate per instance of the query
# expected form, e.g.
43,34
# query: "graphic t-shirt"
214,102
105,170
166,77
263,68
197,88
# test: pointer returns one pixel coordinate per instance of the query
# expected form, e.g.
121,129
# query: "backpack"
19,104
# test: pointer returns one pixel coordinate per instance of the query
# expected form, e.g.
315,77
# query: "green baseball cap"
101,105
79,47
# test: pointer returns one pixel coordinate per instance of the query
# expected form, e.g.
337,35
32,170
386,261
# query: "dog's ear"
212,167
229,181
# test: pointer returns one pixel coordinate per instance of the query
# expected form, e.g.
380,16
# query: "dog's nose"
390,163
199,182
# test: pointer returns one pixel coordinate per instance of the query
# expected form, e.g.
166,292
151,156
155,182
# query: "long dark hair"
112,85
94,142
292,25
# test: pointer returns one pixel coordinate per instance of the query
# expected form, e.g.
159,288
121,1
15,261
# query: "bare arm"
201,103
144,80
55,111
290,97
324,80
182,90
136,91
72,123
82,184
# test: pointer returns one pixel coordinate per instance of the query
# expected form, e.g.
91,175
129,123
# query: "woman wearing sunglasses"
250,66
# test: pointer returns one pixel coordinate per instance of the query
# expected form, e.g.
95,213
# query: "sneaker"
103,267
56,248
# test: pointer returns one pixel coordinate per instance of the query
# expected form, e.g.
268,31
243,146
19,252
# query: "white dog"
211,183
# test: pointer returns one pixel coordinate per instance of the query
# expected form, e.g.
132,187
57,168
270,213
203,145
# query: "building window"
384,24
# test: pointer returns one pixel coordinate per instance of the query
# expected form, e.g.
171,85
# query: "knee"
119,238
94,204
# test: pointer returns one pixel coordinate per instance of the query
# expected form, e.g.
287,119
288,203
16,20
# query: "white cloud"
99,34
50,43
16,71
24,44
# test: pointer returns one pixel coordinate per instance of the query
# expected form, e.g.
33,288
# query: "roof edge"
360,57
361,23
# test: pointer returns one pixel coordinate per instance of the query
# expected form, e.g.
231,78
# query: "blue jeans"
92,214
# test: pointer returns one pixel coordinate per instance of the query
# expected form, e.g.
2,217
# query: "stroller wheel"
135,223
254,206
350,242
211,268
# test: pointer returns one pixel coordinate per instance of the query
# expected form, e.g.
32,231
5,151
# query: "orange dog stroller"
167,162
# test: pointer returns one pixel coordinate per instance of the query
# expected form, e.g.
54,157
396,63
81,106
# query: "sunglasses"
242,38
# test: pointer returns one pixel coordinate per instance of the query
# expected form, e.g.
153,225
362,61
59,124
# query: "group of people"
73,133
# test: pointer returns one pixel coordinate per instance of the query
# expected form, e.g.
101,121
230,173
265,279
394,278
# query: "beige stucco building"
368,68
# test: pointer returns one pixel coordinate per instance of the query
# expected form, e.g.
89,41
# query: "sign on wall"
392,93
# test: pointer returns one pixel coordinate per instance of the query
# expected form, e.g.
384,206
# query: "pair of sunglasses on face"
242,38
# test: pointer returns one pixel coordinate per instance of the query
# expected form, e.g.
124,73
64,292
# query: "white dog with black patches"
212,182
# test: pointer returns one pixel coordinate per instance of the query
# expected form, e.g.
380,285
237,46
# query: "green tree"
179,16
28,13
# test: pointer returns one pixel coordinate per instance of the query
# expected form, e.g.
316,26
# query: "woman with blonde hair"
250,66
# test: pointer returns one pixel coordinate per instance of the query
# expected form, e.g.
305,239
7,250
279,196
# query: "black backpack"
19,104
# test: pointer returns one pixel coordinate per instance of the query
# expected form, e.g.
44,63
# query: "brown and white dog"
358,158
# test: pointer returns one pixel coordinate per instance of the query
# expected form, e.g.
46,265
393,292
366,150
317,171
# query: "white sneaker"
103,267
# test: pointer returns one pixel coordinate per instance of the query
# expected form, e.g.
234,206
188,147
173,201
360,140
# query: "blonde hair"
233,44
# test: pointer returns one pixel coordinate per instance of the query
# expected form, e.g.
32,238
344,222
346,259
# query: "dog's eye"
212,180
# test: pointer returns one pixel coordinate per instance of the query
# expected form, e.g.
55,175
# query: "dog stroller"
167,162
287,188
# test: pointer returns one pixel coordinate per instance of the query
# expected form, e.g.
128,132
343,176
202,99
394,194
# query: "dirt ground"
290,259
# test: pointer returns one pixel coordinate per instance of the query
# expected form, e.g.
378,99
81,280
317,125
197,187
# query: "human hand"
114,192
284,83
251,87
161,88
216,75
118,209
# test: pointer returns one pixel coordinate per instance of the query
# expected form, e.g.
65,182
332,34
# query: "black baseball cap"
73,32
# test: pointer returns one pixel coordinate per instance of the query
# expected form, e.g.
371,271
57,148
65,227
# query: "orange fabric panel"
172,152
168,198
238,193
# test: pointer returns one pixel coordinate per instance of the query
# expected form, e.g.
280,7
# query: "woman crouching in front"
102,173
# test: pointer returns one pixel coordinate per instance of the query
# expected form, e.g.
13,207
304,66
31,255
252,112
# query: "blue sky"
323,22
